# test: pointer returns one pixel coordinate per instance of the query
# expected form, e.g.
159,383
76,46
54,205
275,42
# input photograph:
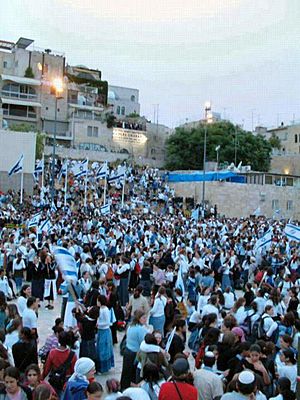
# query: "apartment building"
124,101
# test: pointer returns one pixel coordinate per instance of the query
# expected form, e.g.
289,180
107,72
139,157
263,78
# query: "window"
289,205
123,110
92,131
275,204
4,64
132,98
296,138
95,131
118,110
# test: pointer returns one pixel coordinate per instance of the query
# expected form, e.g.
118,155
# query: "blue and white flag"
39,169
34,221
117,176
53,208
80,169
105,210
66,263
195,214
264,243
292,232
179,281
102,172
45,226
63,170
18,167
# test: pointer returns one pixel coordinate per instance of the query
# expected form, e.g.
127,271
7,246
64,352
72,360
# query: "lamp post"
207,109
57,86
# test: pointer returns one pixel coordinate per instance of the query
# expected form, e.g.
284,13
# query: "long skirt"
37,288
105,350
88,349
158,323
69,320
123,291
225,281
128,370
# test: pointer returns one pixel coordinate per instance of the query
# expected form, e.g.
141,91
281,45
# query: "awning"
200,177
21,80
20,102
86,108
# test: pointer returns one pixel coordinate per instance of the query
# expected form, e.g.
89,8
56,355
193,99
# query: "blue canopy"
200,177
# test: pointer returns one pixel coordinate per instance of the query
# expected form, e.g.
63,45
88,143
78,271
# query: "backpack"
110,274
194,340
57,376
258,329
181,307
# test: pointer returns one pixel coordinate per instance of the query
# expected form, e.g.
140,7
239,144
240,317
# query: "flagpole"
22,183
66,185
85,183
43,171
105,188
123,189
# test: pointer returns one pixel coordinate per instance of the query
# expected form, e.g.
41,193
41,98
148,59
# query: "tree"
185,147
40,137
275,142
29,73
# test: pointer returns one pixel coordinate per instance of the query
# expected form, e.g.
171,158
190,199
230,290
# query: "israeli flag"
63,170
102,172
34,221
195,214
53,208
105,210
179,281
45,226
80,169
292,232
264,243
18,167
66,263
117,176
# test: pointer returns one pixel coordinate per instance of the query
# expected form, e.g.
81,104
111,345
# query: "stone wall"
286,164
241,200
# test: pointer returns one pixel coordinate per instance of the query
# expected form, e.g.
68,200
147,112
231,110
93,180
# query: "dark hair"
30,301
12,372
246,389
42,392
24,287
284,387
150,339
93,312
179,323
230,322
289,319
95,285
3,364
138,314
94,387
35,368
290,355
26,333
212,336
209,361
255,348
113,385
12,311
102,300
63,338
287,339
14,324
151,374
209,319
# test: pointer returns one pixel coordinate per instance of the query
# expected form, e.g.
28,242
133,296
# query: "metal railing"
18,95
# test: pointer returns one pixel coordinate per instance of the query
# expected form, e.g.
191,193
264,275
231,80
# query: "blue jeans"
158,323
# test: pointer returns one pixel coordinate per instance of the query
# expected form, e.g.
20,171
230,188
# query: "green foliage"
133,115
39,145
101,85
275,141
29,73
185,147
110,120
40,137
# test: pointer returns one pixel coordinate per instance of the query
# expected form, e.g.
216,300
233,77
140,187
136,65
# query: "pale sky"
243,55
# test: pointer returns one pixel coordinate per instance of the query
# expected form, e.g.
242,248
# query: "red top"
56,358
168,391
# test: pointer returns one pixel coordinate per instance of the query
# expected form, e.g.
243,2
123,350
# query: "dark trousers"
63,307
128,369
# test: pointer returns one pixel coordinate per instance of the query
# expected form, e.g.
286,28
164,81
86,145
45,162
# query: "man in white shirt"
29,318
268,324
208,383
211,307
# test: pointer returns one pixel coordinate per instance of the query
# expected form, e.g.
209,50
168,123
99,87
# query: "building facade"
124,101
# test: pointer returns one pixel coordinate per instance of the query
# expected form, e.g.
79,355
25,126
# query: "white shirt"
269,325
158,308
210,309
261,303
29,319
290,372
104,318
21,305
240,315
229,300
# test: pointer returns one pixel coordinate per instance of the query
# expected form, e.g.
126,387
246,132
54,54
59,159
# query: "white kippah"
246,377
209,354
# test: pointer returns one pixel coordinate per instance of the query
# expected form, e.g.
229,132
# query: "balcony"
87,115
61,135
18,95
19,112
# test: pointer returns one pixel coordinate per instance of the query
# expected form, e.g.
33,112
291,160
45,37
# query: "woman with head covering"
84,370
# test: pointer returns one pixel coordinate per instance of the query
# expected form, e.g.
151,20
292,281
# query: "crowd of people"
195,308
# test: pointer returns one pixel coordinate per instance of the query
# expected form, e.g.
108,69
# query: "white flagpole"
66,185
123,189
22,183
43,171
105,188
85,183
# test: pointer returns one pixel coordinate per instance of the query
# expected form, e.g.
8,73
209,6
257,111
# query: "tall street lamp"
207,109
57,89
